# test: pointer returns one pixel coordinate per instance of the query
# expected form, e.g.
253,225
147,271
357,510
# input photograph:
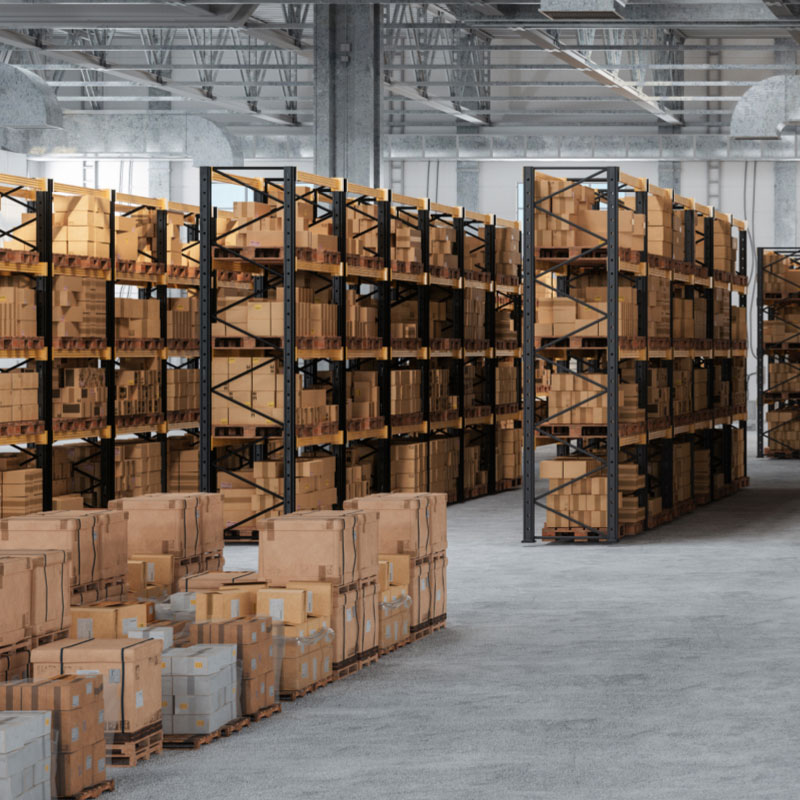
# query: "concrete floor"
663,667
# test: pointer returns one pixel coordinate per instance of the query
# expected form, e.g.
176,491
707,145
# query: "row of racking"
373,345
778,322
319,341
637,305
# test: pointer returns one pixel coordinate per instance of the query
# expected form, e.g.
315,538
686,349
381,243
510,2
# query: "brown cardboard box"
439,586
130,669
216,580
419,590
252,635
314,546
284,605
97,539
322,596
137,578
369,618
160,568
50,588
16,577
258,692
213,606
400,566
346,623
412,523
110,620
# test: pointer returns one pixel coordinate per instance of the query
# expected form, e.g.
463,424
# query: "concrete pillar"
669,175
785,213
158,179
348,92
467,185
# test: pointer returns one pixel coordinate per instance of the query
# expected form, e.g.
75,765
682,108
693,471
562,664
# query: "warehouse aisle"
566,673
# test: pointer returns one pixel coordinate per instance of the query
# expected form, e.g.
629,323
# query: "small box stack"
442,404
406,394
182,464
199,690
20,487
131,674
509,454
109,619
507,255
183,390
138,468
506,392
95,538
138,391
19,396
81,226
183,319
475,319
137,319
362,235
79,308
17,307
256,654
362,319
187,527
406,246
25,755
79,393
363,397
75,703
442,251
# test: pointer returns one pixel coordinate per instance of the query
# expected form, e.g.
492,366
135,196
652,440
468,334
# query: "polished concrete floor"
664,667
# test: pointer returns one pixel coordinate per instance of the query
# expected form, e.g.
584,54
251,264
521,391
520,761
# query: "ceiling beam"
781,10
445,106
140,78
601,75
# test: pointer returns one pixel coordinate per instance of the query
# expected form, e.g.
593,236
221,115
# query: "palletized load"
256,652
131,674
97,539
179,524
199,688
410,522
336,546
25,755
78,736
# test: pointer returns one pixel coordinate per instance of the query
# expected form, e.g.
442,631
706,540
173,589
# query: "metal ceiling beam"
445,106
784,11
139,77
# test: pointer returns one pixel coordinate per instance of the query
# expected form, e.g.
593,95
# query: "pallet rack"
595,361
149,277
775,303
376,276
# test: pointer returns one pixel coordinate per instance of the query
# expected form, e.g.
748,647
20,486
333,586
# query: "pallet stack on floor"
778,318
673,413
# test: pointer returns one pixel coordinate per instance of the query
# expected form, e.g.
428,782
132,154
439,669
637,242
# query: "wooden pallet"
445,344
384,651
584,254
363,343
365,424
128,267
69,425
405,343
183,416
78,343
479,276
123,345
578,431
191,741
344,669
27,428
265,713
476,344
92,792
18,256
21,342
295,694
183,344
506,344
244,431
586,535
37,640
507,408
84,262
410,268
368,657
127,750
139,420
587,342
399,420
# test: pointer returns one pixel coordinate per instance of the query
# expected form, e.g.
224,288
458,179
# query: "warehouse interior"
447,350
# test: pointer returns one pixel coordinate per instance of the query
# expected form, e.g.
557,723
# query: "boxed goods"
306,660
25,755
336,546
110,620
414,523
17,306
19,396
137,468
182,319
180,524
224,605
20,488
136,318
182,464
97,539
75,703
79,393
256,656
130,670
138,391
16,592
183,389
79,308
50,584
199,688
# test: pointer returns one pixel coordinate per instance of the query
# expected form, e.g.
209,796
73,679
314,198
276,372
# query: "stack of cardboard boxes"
137,319
183,390
362,234
183,319
406,244
182,464
363,396
665,226
509,453
19,396
404,325
507,255
506,383
256,656
95,538
20,486
726,245
441,402
362,317
17,306
138,391
326,565
442,249
781,275
79,393
79,308
475,315
138,468
406,392
563,316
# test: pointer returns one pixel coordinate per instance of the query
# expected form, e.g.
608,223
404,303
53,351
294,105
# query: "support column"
467,185
785,213
669,175
348,92
158,179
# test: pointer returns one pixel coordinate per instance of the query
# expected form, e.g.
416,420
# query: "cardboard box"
284,605
16,587
130,704
110,620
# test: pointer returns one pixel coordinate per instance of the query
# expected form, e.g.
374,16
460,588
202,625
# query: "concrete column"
785,213
348,92
669,175
467,185
158,179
